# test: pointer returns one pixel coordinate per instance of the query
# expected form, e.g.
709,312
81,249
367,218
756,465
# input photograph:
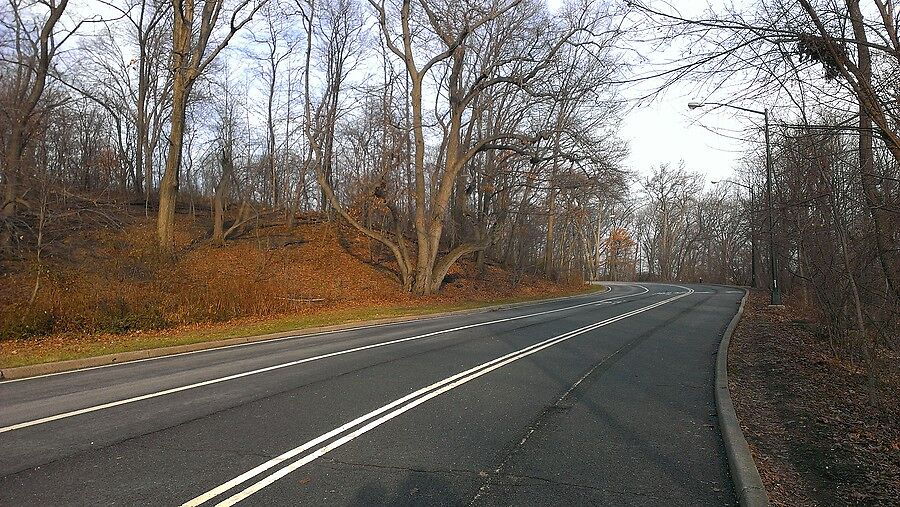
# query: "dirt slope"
816,436
104,276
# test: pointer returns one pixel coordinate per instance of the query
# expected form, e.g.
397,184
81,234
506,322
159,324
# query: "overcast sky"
665,131
711,141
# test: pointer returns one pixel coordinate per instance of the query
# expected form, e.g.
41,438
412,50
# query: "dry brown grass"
103,284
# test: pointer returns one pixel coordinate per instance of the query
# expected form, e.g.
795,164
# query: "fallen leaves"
816,437
115,294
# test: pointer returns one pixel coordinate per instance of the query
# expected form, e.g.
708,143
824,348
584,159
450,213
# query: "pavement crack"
505,479
518,477
564,402
401,468
686,385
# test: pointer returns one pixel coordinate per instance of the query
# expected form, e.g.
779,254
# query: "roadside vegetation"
106,289
815,435
196,162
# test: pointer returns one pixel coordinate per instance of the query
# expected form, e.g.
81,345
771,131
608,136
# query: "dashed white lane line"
396,408
218,380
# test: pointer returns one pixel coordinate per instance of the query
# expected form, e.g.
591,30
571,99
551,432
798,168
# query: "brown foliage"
113,279
816,437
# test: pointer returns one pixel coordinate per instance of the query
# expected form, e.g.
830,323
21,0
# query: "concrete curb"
33,370
747,484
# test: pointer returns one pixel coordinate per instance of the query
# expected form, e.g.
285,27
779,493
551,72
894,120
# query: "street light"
773,264
752,229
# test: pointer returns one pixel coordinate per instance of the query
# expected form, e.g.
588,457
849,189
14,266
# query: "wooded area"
483,130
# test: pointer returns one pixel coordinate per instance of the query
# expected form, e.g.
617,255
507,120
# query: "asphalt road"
603,399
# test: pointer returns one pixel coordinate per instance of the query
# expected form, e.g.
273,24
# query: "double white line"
188,387
383,414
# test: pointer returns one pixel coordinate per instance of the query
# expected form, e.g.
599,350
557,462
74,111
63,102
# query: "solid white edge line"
293,452
434,393
429,392
360,327
204,383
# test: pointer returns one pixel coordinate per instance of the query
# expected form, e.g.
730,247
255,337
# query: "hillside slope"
104,278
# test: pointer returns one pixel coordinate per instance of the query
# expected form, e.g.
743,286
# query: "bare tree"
277,40
192,52
410,30
777,50
875,96
33,48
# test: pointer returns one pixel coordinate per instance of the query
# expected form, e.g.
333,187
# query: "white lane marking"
418,397
469,375
173,390
282,338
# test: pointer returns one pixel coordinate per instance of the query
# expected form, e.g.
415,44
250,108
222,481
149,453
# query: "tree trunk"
140,122
551,229
181,87
219,210
168,187
13,160
422,284
881,218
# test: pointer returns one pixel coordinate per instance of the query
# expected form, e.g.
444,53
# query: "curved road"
603,399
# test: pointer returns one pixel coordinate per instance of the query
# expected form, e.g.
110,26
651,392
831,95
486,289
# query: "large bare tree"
193,49
33,46
470,51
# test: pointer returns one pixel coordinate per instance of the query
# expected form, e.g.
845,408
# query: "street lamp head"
695,105
714,182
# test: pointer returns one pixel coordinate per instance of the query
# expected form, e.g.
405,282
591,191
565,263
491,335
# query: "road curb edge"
748,485
33,370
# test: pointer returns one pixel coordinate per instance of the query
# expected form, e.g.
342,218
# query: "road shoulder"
748,485
20,372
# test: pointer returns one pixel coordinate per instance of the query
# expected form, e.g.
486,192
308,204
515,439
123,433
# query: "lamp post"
752,229
773,263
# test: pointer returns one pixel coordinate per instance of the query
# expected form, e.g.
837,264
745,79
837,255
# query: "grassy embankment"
35,351
103,290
